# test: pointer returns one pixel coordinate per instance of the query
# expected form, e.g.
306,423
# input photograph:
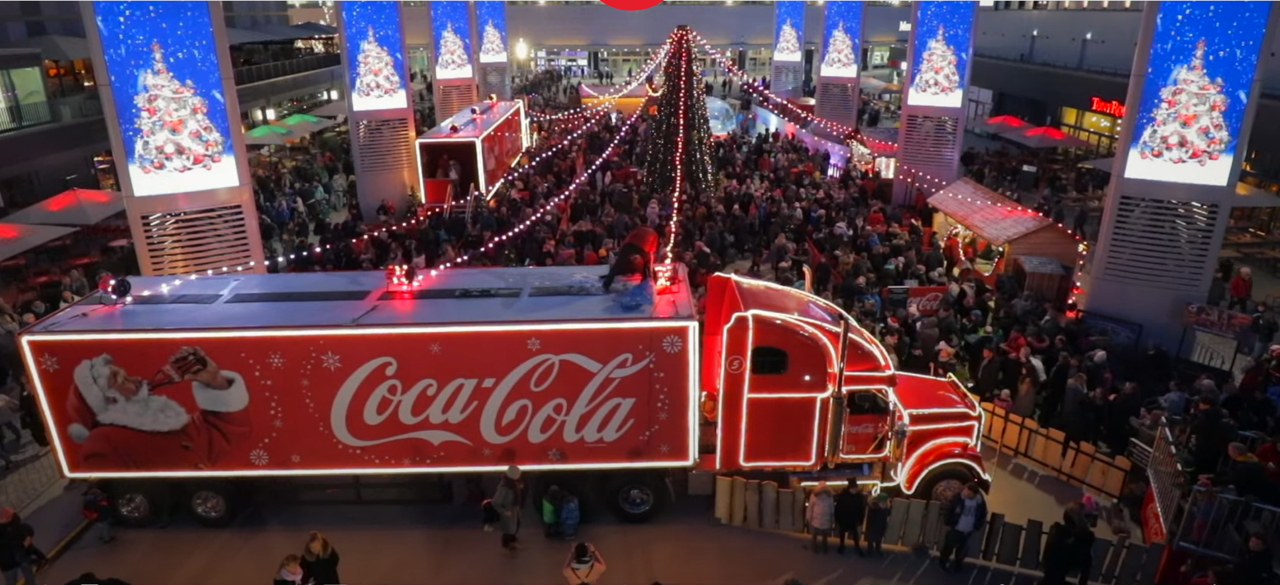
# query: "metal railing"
1268,89
18,117
1219,525
1166,477
278,69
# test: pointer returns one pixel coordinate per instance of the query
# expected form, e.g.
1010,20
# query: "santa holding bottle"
123,425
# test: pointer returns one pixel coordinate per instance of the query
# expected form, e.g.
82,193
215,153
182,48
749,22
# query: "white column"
453,58
176,134
1192,99
840,61
495,51
787,74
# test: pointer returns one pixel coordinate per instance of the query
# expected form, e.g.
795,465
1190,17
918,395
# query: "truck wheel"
636,498
136,504
943,484
212,504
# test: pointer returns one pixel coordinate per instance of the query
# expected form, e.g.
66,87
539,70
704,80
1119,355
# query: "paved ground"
443,545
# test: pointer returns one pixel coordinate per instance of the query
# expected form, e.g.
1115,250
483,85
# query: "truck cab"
799,387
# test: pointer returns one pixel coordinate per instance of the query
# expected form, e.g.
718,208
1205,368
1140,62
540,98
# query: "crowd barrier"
918,525
1048,449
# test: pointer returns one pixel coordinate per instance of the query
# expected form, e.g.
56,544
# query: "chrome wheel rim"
133,506
635,499
208,504
946,489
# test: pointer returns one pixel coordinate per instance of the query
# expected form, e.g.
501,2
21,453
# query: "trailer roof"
326,299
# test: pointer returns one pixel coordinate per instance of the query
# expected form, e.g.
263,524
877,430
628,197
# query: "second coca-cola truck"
198,387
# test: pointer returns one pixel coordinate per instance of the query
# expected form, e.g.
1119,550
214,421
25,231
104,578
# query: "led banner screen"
374,45
492,18
788,35
451,26
940,52
500,148
165,71
842,40
1199,77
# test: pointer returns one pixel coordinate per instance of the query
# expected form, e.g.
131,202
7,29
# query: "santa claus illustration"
122,425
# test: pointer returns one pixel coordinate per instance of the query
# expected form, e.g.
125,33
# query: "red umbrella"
1044,137
1001,124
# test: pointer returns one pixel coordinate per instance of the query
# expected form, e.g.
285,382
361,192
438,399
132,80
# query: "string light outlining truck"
356,383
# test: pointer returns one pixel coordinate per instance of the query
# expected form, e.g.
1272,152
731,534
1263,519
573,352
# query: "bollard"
769,506
724,498
753,504
786,510
738,517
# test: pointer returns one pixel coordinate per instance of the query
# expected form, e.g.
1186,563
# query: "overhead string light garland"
544,211
583,111
516,170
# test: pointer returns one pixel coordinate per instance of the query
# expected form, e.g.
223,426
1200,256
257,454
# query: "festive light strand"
543,212
516,170
679,37
609,99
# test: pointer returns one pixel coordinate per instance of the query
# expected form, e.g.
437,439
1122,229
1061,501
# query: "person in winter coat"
1241,290
820,515
17,552
877,523
987,379
584,566
966,514
507,502
851,510
319,561
290,572
92,579
551,503
97,509
570,516
1069,547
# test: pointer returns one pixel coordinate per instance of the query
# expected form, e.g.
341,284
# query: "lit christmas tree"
937,75
788,48
453,61
677,157
176,135
1188,126
492,49
840,58
376,76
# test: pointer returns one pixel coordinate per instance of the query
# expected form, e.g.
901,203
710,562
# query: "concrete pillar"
179,144
840,61
787,74
495,52
379,106
931,136
1196,83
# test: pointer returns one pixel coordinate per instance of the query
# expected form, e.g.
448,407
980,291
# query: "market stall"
988,229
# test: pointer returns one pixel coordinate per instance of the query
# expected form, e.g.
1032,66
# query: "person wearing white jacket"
820,515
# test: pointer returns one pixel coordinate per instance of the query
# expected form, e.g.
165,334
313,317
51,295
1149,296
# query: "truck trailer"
192,391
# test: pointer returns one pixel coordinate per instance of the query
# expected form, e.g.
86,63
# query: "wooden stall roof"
991,215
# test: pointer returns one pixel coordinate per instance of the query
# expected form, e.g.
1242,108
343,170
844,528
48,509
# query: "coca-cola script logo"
434,409
928,304
863,429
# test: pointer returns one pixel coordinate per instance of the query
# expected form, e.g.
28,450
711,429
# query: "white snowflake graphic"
306,382
672,344
259,457
487,452
331,361
296,458
662,415
49,363
664,449
534,344
278,423
276,360
406,461
435,348
555,455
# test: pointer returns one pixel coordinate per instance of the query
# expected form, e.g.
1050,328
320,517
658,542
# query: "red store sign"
1113,107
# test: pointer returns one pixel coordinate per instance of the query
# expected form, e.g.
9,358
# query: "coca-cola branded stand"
992,229
190,399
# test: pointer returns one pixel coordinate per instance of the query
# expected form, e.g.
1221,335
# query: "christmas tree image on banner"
378,85
1187,133
177,147
936,82
839,60
452,62
492,47
788,48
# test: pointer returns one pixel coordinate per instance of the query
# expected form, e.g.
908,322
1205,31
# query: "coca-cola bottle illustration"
185,362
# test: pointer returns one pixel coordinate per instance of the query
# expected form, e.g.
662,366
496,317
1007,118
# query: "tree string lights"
543,212
677,154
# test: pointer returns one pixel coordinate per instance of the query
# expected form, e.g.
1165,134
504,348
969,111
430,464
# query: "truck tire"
212,504
636,498
943,483
137,504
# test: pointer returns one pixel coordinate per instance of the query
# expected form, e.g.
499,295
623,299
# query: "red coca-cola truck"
197,387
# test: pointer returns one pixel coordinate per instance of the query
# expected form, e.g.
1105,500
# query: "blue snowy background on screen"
444,14
185,32
1232,32
492,11
956,18
789,11
384,17
848,12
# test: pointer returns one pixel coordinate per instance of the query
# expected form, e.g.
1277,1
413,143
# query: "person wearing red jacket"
1241,289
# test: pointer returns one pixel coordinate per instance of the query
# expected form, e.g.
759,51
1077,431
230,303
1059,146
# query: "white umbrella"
871,84
72,207
1044,137
16,238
